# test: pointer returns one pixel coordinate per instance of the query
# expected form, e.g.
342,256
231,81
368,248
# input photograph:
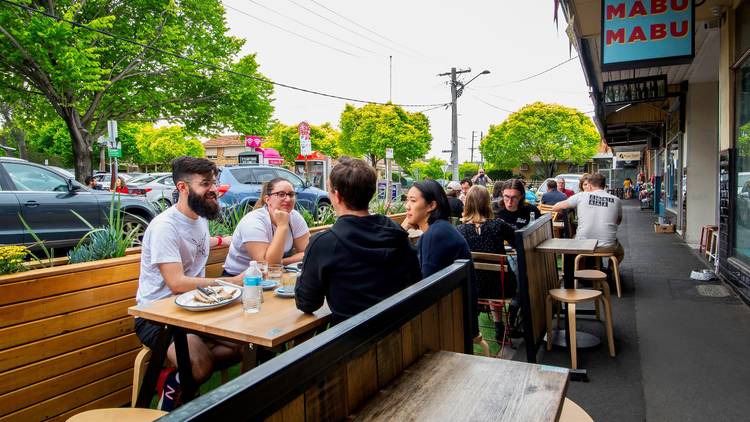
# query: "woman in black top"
485,234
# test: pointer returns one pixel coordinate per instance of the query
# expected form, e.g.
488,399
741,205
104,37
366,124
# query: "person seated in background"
457,207
599,214
483,233
120,185
514,210
530,195
274,232
561,187
363,258
174,253
465,185
91,183
552,196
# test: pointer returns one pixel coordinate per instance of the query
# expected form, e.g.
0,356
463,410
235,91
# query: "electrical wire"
536,74
363,27
490,104
347,29
299,22
290,31
205,64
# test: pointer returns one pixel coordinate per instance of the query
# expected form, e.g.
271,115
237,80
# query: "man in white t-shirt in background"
599,214
173,260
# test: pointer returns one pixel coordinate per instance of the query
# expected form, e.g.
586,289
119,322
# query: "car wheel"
163,204
132,224
324,208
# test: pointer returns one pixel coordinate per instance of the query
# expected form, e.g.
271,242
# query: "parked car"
157,187
242,184
571,182
45,198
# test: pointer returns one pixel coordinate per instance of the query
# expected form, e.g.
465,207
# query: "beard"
205,206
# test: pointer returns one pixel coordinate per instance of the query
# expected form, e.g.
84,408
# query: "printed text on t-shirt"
599,201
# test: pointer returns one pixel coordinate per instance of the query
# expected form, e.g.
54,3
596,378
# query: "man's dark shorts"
148,332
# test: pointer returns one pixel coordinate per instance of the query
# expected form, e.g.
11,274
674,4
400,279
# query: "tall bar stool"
705,235
572,412
714,246
571,297
614,263
598,281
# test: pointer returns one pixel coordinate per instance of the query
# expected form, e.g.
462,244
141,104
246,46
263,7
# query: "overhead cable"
536,74
205,64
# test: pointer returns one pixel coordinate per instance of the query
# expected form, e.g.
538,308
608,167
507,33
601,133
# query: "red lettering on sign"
683,29
613,11
637,35
658,6
658,31
679,5
618,37
638,9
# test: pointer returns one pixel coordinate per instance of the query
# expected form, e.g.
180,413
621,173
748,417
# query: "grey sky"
512,39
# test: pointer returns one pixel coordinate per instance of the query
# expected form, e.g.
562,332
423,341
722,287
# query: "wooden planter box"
66,340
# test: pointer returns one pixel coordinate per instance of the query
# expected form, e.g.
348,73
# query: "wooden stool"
615,265
598,281
119,414
712,250
139,370
483,344
571,412
705,234
571,297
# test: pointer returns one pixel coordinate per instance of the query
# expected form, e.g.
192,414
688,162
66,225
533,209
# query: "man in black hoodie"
363,258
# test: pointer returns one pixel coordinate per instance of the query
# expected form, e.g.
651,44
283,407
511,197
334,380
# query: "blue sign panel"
642,33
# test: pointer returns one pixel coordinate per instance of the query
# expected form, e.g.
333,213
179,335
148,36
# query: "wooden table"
278,321
458,387
570,248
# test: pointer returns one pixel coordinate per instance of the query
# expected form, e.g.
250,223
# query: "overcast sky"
512,39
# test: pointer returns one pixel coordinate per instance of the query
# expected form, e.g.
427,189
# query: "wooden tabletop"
567,246
278,321
456,387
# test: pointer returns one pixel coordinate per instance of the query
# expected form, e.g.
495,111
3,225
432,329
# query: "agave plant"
228,220
110,241
49,253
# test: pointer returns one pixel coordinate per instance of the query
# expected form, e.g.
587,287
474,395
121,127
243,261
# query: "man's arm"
562,205
309,293
178,282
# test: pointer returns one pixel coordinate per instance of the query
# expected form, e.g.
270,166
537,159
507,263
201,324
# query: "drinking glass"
274,272
263,267
289,280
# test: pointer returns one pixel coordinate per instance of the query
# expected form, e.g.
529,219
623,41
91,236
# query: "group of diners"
360,260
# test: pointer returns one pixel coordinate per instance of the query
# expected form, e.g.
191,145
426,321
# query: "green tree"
285,139
367,131
159,146
468,169
549,133
431,168
87,77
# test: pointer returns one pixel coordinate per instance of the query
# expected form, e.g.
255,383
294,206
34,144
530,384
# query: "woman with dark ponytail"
273,232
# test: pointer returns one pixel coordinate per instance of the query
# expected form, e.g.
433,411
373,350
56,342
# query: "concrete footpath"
683,346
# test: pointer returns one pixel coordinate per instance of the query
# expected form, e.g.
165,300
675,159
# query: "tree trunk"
20,137
81,141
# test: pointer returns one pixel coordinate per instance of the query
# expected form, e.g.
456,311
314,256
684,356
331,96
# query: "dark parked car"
45,198
242,184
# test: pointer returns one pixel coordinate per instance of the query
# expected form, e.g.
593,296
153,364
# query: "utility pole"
472,147
481,158
455,93
390,79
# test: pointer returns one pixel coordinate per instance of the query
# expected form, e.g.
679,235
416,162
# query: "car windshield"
294,180
142,179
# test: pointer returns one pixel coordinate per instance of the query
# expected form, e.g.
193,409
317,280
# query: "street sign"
305,145
389,153
114,153
112,131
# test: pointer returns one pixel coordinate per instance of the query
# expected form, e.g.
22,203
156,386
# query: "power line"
362,26
345,28
291,32
205,64
536,74
491,105
299,22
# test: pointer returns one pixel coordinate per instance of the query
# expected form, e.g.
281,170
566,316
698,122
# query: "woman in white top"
273,232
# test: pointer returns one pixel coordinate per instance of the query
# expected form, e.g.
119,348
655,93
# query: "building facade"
670,81
224,150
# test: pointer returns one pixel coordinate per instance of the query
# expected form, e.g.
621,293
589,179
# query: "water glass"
263,267
288,281
274,272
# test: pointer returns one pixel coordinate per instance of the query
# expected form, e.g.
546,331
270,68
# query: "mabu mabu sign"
643,33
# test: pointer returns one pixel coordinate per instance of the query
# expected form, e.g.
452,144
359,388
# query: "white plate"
269,284
187,300
280,292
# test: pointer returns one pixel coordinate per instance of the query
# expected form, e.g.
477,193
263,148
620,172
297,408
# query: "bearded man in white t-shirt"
173,260
599,214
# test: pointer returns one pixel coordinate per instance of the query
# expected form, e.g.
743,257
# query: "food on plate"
213,294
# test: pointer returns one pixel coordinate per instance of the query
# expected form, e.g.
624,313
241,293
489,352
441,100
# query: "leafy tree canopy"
159,146
549,133
285,139
367,131
431,168
87,78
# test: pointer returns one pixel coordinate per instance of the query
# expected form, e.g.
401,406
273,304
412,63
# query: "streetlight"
457,88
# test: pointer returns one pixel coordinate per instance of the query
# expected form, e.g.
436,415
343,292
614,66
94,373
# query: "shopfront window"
673,176
741,191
